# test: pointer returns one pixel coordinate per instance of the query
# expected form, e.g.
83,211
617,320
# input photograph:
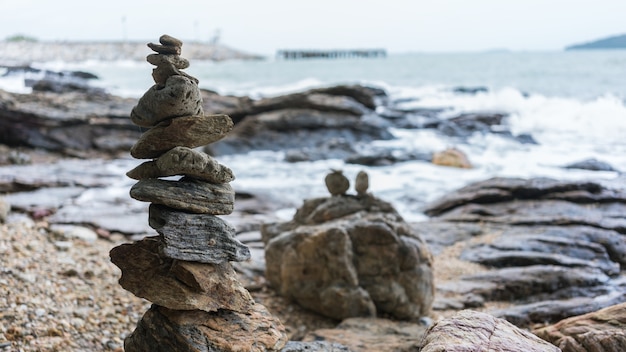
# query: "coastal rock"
178,97
451,157
299,128
591,164
373,334
186,194
602,331
187,131
474,331
361,184
72,123
341,260
527,250
465,125
178,284
164,330
337,183
184,161
499,189
196,237
553,249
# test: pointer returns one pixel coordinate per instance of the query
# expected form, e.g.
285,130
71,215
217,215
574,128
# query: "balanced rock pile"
350,256
198,303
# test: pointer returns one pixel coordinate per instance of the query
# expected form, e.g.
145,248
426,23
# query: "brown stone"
184,161
361,184
186,194
475,331
337,183
170,41
600,331
187,131
196,237
178,96
165,330
452,157
165,49
177,284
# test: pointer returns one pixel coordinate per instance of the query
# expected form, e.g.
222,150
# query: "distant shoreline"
26,52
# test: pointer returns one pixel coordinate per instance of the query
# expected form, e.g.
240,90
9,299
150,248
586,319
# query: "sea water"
571,102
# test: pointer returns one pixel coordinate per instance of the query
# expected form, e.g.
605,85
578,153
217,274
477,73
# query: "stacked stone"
185,271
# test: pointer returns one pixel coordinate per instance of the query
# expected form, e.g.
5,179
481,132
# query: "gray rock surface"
553,249
186,194
200,238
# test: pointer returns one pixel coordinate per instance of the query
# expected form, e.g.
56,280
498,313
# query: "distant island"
614,42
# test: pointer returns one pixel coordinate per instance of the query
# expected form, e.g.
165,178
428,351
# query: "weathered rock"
186,194
451,157
362,183
179,96
466,124
298,128
164,330
475,331
186,131
184,161
373,334
337,183
530,283
591,164
341,261
178,284
196,237
70,123
601,331
524,315
525,250
498,189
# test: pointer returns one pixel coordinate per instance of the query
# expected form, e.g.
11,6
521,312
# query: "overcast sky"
263,26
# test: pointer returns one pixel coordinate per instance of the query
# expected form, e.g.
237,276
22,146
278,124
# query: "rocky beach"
535,262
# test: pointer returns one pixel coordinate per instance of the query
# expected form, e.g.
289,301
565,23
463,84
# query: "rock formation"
198,302
475,331
350,256
601,331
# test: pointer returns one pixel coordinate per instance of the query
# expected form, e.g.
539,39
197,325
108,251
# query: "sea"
573,103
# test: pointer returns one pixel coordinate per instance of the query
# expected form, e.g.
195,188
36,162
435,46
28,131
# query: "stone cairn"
185,271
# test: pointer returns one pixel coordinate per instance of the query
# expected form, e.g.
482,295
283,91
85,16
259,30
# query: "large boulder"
349,256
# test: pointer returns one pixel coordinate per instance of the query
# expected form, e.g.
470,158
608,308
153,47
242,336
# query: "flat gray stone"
200,238
186,194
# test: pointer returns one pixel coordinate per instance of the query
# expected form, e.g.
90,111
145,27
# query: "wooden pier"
330,54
